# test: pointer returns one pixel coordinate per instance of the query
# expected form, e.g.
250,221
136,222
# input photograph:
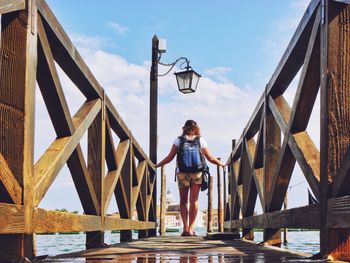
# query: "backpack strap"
181,143
200,151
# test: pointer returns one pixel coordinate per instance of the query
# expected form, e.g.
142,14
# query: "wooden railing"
320,51
32,43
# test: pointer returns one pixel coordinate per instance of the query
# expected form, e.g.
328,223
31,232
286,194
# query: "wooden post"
162,202
18,64
210,206
285,230
96,167
272,145
153,133
233,207
144,215
335,113
126,176
220,204
224,201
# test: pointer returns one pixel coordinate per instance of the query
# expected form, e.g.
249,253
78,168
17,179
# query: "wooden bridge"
260,165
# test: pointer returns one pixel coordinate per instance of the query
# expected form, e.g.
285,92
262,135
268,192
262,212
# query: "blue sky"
235,45
231,34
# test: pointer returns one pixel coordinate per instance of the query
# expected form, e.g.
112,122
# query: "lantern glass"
187,81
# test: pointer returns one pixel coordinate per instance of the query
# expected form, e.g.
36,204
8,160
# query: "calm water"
303,241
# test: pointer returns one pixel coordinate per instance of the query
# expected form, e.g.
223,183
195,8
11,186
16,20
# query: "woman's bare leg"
194,192
183,206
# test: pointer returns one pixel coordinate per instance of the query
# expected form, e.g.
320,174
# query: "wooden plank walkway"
183,249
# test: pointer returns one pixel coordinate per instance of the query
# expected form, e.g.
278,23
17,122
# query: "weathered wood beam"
309,81
126,224
286,161
308,157
340,184
247,182
249,191
12,219
140,172
7,6
48,166
83,182
335,115
113,176
283,174
50,87
141,204
96,167
119,127
272,151
110,148
122,190
259,153
281,111
46,221
338,214
302,217
240,196
18,60
53,221
150,205
238,187
9,182
256,173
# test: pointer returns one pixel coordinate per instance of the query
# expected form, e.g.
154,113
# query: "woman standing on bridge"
189,182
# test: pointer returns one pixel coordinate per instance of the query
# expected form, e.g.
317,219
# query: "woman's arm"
211,158
169,157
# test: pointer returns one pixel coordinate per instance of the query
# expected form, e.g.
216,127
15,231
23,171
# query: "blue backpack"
189,156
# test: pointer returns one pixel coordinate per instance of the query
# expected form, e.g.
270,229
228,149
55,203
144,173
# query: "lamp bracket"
172,65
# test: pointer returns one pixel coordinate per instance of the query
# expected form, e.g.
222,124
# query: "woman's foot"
192,233
186,234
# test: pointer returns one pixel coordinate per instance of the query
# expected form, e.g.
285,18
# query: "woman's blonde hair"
189,127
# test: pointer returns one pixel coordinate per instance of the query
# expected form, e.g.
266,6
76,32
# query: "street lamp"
187,82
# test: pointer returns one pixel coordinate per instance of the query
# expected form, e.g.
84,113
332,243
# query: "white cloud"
218,73
85,41
119,29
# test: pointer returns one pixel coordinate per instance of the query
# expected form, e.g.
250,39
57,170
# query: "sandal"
193,234
185,234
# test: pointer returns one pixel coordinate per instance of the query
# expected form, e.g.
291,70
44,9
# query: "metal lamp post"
187,81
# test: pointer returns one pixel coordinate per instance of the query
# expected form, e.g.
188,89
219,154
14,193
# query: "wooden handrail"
129,174
275,138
